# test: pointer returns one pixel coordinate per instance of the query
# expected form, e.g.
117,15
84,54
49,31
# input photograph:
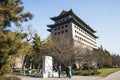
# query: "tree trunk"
23,66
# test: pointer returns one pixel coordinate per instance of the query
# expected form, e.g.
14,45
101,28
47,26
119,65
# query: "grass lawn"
103,72
107,71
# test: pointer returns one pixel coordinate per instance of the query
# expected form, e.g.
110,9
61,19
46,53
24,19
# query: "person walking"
67,69
69,72
59,71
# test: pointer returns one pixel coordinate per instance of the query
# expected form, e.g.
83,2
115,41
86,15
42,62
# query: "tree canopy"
10,44
11,11
102,57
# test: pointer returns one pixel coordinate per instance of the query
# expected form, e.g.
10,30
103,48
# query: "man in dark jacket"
59,71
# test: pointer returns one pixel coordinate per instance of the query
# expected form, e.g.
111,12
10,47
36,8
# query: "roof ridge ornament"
63,13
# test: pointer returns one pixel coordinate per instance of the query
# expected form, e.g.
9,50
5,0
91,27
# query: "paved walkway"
114,76
73,78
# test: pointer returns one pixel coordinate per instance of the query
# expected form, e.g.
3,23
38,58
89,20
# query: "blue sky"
102,15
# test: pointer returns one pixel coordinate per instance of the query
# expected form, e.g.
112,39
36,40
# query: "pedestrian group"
68,71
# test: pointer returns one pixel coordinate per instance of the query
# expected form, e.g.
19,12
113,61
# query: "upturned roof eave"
58,17
53,25
92,33
61,16
72,13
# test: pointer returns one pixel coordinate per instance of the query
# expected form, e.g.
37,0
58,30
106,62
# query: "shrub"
76,72
6,69
82,72
9,78
33,71
95,72
86,72
17,70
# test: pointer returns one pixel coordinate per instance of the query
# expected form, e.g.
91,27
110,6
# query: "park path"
63,78
114,76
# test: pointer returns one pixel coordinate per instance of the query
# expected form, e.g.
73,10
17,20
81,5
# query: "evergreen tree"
10,44
102,57
11,11
38,52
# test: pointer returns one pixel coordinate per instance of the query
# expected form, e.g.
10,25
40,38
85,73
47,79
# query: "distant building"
71,26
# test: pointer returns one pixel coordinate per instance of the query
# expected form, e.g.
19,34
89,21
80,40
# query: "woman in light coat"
69,72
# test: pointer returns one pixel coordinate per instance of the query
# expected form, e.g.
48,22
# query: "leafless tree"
63,51
116,60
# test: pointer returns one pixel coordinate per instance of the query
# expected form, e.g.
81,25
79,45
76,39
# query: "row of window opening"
82,31
61,27
62,20
84,40
84,36
62,32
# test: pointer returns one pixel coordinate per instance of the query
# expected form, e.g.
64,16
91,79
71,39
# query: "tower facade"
67,23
